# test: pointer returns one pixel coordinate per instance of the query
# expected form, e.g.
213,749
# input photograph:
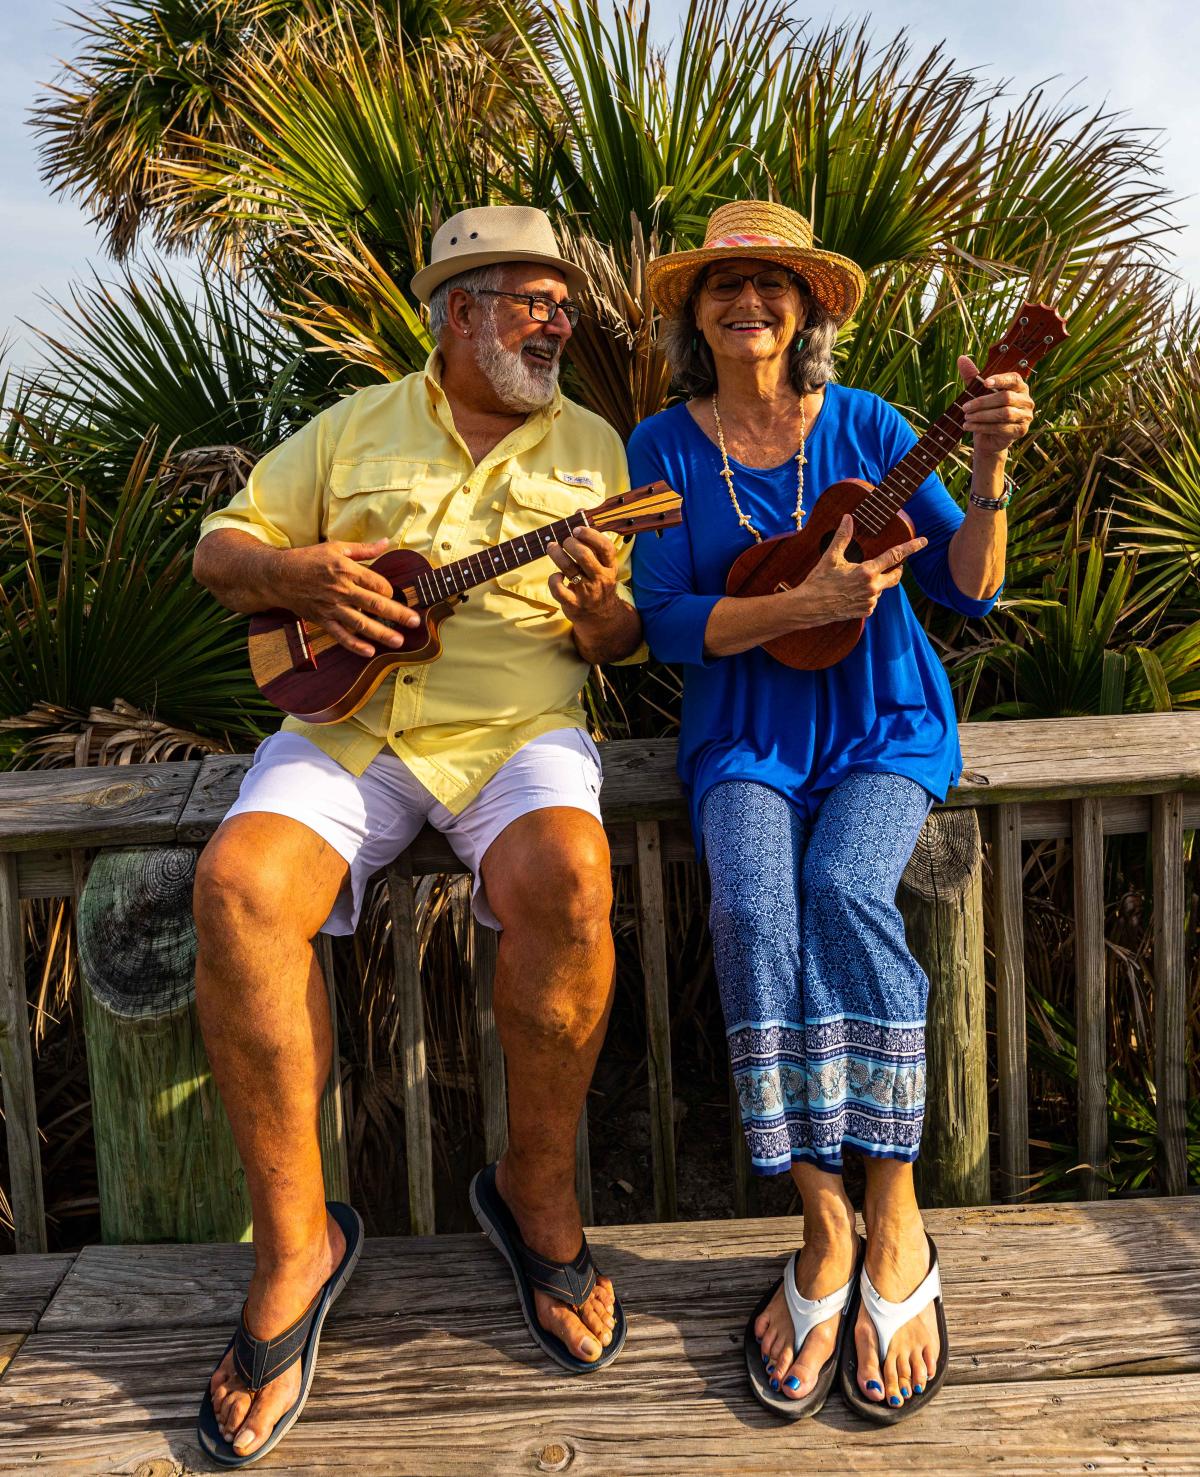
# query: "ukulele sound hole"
852,553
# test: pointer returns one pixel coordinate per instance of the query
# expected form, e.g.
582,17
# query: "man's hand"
998,419
331,585
838,590
586,584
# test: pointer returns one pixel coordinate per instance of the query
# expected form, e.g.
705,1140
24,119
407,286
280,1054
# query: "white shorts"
370,819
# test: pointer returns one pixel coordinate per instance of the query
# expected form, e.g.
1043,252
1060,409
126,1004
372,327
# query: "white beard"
517,384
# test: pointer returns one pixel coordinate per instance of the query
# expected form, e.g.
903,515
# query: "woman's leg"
865,999
753,841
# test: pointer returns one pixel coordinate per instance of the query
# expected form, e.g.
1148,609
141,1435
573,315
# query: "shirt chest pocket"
534,501
382,498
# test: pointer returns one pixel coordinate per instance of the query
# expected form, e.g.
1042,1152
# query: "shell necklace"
727,473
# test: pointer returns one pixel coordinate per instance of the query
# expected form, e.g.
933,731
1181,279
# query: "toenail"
774,1384
919,1389
770,1369
874,1385
590,1348
792,1382
766,1358
893,1400
905,1391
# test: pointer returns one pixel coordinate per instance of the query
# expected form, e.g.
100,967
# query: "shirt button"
410,678
445,545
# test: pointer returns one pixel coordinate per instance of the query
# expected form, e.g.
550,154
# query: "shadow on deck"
1075,1335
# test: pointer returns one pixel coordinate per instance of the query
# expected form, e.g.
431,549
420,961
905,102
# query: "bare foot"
276,1299
555,1230
825,1263
897,1263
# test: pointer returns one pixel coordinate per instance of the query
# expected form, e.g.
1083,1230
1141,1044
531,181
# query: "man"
488,743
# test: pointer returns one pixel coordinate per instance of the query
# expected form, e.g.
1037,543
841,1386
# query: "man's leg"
264,886
548,881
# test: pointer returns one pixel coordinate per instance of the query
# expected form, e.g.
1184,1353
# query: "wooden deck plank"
27,1283
109,805
113,1403
1034,1292
10,1343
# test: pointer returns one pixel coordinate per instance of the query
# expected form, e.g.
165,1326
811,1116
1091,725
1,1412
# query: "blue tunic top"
887,707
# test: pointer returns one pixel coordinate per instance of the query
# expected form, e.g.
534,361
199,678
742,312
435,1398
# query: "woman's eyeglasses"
541,309
769,283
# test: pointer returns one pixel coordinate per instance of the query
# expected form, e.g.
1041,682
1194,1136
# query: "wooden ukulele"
302,669
783,562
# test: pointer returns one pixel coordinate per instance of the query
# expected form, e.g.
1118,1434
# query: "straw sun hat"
766,232
489,234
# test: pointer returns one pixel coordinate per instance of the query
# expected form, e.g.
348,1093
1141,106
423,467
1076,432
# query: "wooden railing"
1082,779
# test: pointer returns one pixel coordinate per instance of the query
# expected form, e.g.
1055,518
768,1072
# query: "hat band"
747,239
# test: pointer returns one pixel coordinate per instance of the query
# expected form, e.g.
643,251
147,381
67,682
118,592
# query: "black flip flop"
806,1314
259,1361
893,1316
569,1282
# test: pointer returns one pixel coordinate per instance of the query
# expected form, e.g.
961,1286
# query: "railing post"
652,936
331,1121
1170,989
16,1071
1011,1050
1090,1013
418,1130
941,899
481,954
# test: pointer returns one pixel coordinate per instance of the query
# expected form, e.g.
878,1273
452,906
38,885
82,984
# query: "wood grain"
16,1072
110,805
652,944
418,1121
186,1287
9,1344
1091,1023
27,1283
1012,1060
1072,1328
941,900
1170,989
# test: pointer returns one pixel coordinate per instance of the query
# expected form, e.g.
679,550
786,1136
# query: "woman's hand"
838,590
1000,418
331,585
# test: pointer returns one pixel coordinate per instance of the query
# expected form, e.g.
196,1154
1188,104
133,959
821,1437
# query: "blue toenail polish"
919,1389
874,1385
774,1384
792,1382
766,1358
905,1391
893,1400
770,1369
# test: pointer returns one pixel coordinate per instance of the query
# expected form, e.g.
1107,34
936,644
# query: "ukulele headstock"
1032,333
653,506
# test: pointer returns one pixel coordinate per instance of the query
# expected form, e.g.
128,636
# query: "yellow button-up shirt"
388,462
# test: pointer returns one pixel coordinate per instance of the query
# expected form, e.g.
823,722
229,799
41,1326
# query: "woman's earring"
797,344
695,344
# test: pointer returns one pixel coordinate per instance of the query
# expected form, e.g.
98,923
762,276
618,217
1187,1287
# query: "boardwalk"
1076,1335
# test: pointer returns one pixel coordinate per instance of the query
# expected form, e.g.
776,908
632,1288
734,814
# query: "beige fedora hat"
489,234
767,232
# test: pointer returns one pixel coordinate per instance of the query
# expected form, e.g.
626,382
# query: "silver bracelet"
994,504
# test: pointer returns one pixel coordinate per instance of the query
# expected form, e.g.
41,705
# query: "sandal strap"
570,1282
889,1318
259,1361
810,1313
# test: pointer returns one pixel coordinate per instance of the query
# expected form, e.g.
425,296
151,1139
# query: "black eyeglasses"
769,283
541,309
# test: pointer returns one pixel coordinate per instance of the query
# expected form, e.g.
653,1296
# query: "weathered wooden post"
941,898
166,1162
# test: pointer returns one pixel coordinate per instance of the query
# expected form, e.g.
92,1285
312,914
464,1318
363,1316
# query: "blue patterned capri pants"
824,1005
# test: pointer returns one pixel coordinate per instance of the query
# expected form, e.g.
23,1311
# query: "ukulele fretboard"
461,575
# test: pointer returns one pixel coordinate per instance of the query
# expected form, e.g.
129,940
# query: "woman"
808,789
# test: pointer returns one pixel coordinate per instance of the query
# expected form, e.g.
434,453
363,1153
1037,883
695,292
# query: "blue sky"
1137,58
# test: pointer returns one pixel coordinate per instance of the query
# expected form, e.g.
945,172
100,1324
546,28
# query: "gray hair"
480,279
693,371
